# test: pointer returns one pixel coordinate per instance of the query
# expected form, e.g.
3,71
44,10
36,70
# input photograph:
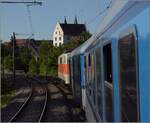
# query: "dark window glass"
89,76
93,78
85,68
77,79
59,38
108,83
128,78
55,38
99,83
60,60
89,58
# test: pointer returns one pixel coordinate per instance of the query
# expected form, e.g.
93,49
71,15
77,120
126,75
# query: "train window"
89,76
128,78
64,60
86,69
77,79
99,83
89,60
108,82
60,60
93,78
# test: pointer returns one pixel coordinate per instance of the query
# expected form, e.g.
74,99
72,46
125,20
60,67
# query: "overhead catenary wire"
100,13
28,3
4,1
30,20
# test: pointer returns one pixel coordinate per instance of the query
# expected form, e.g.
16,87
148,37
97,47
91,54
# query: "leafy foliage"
33,67
48,56
8,63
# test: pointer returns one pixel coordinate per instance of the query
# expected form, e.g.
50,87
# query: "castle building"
64,31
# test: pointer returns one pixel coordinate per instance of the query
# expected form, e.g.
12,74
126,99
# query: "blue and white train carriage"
111,70
118,83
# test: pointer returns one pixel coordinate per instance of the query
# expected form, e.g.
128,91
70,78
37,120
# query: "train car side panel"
144,63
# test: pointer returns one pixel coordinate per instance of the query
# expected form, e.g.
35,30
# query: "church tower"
75,20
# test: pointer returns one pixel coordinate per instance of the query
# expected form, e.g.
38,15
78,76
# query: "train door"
108,83
128,78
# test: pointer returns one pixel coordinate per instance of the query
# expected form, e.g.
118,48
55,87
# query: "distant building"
64,31
22,42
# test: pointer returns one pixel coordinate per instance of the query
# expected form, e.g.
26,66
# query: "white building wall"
58,36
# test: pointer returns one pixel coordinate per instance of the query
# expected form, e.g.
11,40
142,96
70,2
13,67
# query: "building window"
55,44
56,32
59,32
60,44
59,38
55,38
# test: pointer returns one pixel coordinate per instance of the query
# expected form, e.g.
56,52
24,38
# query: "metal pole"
14,72
46,65
40,3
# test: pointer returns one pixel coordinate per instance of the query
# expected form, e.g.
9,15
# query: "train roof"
114,12
65,54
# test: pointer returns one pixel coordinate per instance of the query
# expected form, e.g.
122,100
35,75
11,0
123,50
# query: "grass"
6,98
7,92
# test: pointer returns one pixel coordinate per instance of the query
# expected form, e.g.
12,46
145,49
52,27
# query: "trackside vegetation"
46,65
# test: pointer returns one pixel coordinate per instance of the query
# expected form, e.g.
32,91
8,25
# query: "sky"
14,17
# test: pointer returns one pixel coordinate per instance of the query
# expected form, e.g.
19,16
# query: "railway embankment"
9,89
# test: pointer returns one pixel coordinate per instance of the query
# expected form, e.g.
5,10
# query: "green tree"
76,41
33,67
49,55
24,57
43,56
8,63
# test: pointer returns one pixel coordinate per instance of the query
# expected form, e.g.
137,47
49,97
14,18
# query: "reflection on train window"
128,78
99,83
77,78
89,76
108,82
93,78
86,69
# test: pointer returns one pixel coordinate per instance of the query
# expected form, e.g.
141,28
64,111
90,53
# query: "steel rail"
45,102
66,99
22,106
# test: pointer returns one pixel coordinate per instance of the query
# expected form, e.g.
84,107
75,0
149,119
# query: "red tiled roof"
22,42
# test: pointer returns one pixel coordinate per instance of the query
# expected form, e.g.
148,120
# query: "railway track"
61,89
35,103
